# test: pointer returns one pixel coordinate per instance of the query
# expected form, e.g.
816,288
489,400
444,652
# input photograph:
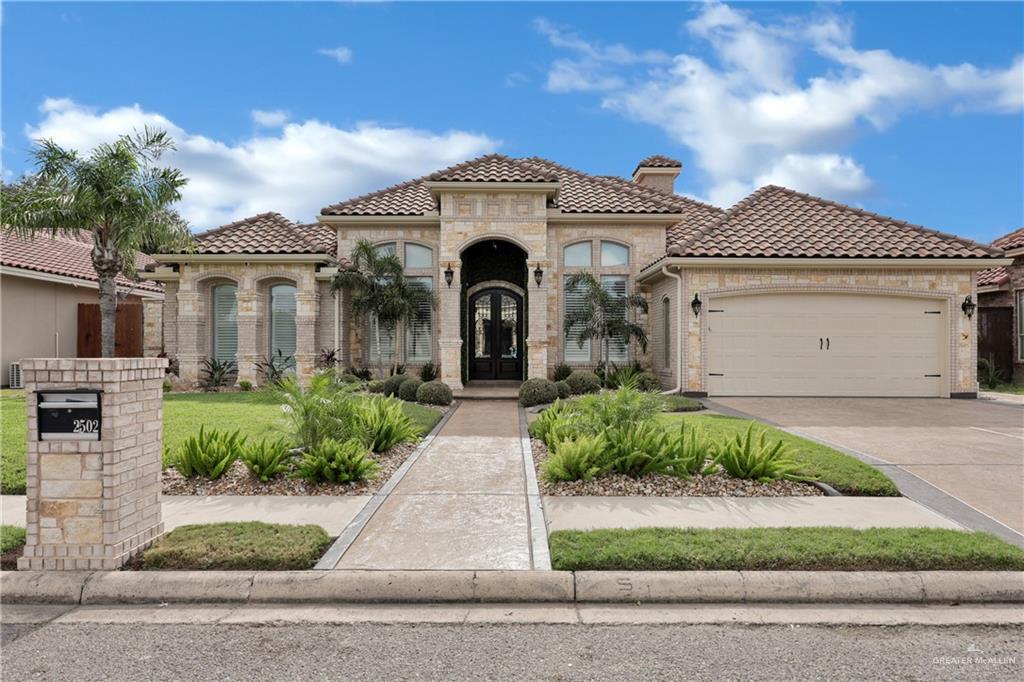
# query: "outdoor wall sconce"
538,274
449,275
695,305
968,307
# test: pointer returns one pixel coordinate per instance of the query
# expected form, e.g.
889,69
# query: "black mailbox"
69,415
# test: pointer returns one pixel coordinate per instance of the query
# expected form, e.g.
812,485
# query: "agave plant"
757,459
266,460
383,424
209,454
575,460
216,372
333,461
692,450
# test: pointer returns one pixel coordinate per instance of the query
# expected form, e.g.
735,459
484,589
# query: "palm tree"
116,193
603,315
380,291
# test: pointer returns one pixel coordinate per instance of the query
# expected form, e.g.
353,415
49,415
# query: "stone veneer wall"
152,327
952,285
92,504
664,288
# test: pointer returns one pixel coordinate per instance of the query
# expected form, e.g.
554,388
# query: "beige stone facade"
94,503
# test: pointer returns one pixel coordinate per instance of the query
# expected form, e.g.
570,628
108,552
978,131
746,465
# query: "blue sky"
912,110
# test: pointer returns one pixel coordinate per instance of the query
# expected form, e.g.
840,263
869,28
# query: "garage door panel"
826,345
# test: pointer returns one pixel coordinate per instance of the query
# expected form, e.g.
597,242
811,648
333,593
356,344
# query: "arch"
500,236
290,277
217,274
496,284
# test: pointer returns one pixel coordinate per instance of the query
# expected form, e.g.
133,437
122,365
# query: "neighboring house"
1001,310
783,294
43,280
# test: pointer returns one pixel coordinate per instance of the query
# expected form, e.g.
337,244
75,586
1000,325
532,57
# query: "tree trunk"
107,264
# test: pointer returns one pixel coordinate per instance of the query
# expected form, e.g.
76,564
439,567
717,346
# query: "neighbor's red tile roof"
993,277
1014,240
267,233
779,222
579,192
66,255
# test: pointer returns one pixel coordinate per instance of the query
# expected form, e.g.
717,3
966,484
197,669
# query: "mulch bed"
239,481
660,485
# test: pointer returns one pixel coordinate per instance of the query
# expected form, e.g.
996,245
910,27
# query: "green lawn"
1015,389
255,415
846,474
238,546
796,549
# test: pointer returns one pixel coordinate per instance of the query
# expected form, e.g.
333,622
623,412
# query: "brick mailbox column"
93,499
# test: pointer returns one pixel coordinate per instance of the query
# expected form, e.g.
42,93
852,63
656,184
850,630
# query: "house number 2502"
86,425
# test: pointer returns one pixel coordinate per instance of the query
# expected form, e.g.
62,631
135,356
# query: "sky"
911,110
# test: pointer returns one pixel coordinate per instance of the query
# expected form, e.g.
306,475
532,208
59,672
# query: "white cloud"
269,119
749,120
341,54
295,170
516,79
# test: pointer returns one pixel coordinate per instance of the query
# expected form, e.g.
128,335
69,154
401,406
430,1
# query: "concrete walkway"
462,505
588,513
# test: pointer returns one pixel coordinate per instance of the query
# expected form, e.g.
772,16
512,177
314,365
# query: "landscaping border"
652,587
334,553
540,553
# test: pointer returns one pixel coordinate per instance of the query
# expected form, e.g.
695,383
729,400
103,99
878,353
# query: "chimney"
658,172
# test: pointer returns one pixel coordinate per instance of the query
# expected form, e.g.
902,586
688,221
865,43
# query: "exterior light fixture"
695,305
968,307
449,275
538,274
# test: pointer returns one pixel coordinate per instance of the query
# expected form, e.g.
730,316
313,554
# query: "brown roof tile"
584,193
494,168
263,233
779,222
658,161
67,255
408,198
992,277
1014,240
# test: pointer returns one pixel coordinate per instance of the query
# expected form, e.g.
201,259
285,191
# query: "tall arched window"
225,322
282,322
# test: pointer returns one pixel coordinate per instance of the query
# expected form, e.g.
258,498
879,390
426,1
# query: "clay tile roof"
993,277
779,222
263,233
66,255
1014,240
494,168
578,192
658,161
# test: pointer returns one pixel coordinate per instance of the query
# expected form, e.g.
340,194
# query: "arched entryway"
495,334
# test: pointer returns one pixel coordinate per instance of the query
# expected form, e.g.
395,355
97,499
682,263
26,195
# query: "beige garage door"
827,345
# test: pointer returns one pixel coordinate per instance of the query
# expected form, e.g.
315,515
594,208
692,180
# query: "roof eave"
243,258
431,218
557,215
437,186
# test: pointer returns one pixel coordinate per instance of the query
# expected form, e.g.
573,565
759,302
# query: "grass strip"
238,546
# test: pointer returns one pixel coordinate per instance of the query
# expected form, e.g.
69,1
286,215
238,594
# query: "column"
152,327
305,334
248,353
190,355
537,341
448,333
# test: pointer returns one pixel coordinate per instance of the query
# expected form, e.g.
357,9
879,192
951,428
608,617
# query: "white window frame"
399,336
215,330
272,326
599,271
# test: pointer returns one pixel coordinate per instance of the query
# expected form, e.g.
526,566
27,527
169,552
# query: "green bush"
407,391
612,409
334,461
537,392
562,372
375,386
393,383
743,457
216,373
167,386
266,460
583,381
647,382
11,537
563,389
575,460
238,546
209,454
346,378
324,409
619,377
383,424
363,373
548,420
641,449
245,385
429,372
692,448
434,393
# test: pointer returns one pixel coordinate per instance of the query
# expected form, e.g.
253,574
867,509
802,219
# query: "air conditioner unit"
15,375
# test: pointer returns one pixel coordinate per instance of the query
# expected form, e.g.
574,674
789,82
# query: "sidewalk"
462,505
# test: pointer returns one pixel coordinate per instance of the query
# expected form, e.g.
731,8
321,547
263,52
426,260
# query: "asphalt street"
371,651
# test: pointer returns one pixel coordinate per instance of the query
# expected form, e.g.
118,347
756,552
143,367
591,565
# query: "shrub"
562,372
537,392
613,409
434,393
209,454
647,382
692,449
216,373
245,385
541,427
743,457
324,409
407,391
375,386
429,372
333,461
383,424
563,389
167,386
392,384
327,358
988,375
641,449
274,367
346,378
621,377
575,460
363,373
583,381
11,537
266,460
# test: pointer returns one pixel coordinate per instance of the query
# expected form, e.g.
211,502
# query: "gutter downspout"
679,329
337,327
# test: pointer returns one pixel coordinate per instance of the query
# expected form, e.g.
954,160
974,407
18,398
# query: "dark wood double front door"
495,335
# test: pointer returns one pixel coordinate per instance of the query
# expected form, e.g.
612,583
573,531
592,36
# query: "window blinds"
282,322
225,322
618,352
574,302
419,337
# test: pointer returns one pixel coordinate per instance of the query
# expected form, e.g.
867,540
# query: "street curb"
354,586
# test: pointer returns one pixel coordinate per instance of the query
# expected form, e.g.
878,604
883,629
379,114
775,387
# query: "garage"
827,344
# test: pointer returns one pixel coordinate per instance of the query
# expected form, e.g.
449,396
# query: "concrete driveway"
972,450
